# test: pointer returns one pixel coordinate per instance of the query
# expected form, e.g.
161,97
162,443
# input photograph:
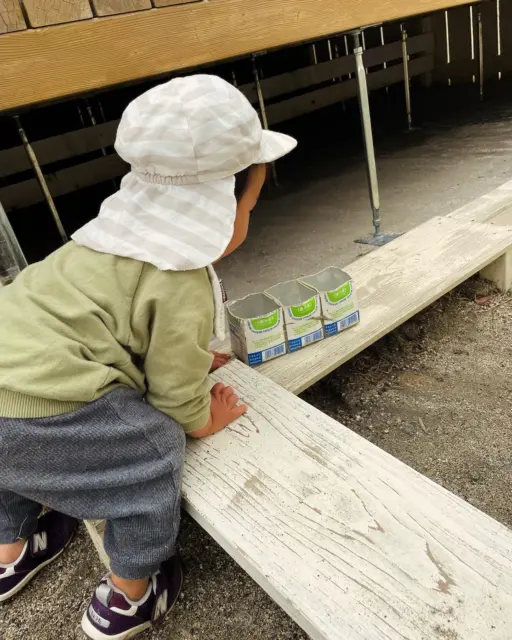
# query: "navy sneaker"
113,616
54,532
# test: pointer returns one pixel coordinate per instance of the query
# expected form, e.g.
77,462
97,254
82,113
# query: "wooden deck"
352,543
54,49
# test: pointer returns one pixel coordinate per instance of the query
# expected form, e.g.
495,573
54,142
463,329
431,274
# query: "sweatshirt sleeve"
172,318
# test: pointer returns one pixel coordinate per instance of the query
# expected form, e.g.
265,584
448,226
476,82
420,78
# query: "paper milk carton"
257,329
302,314
340,309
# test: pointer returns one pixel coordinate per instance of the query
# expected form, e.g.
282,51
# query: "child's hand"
224,411
219,360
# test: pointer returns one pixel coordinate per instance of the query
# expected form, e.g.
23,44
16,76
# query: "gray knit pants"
116,459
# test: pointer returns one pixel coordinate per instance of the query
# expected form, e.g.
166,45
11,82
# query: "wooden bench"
352,543
399,280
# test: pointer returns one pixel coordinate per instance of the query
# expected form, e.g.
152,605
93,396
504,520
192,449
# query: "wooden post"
499,272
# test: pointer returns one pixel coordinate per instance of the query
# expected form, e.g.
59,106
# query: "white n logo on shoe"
39,542
161,605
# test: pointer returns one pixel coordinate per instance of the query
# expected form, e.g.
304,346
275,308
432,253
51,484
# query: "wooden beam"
60,147
74,143
168,3
94,54
114,7
28,192
319,98
305,77
11,16
393,284
348,540
42,13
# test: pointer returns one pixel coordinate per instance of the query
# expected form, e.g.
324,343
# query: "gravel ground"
436,393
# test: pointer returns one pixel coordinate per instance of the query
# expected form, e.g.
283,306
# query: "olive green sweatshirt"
81,323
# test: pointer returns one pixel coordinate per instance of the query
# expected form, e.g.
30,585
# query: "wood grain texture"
28,192
393,284
96,530
487,207
351,543
169,3
60,147
320,98
94,54
274,86
42,13
113,7
11,16
499,272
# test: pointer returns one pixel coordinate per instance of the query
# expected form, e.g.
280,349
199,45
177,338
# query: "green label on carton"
304,309
340,293
266,322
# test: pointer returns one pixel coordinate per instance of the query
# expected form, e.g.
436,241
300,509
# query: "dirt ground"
436,393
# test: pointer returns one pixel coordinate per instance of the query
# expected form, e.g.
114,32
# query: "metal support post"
378,238
42,181
407,81
263,111
480,53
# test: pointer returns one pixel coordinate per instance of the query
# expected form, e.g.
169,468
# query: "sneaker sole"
7,596
95,634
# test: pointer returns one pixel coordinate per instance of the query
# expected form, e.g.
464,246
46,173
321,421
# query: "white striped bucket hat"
185,140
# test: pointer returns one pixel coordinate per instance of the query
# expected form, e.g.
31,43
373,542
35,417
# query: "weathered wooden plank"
43,13
352,543
114,7
284,83
393,284
95,54
294,107
11,16
61,147
486,208
28,192
500,272
168,3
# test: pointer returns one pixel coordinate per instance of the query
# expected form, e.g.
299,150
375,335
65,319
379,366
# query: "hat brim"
274,146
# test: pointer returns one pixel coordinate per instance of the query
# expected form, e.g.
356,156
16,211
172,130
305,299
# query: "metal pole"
42,181
263,111
347,53
364,106
480,53
407,83
12,260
